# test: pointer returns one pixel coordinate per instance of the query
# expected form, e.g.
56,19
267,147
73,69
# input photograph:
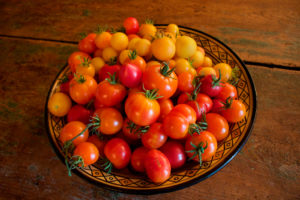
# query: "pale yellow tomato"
142,47
163,48
59,104
124,55
206,71
109,53
102,40
173,28
201,50
171,36
185,46
119,41
197,59
98,63
147,31
132,43
207,62
183,65
225,71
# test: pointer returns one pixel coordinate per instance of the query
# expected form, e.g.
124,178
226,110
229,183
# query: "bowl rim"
175,187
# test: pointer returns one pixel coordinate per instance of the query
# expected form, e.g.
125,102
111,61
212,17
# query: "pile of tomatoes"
145,99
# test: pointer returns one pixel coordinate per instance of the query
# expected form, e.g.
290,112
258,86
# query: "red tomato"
79,113
88,152
97,104
71,130
65,83
76,58
107,70
187,111
161,78
217,125
136,60
185,82
131,25
117,152
138,159
87,44
154,137
234,112
166,105
157,166
130,75
175,153
132,131
98,143
142,108
176,125
218,105
210,85
83,89
227,90
201,147
203,103
110,120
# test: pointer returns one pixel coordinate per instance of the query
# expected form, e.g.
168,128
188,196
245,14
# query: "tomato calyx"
86,62
101,29
73,163
132,55
135,129
191,61
198,150
112,78
151,94
227,104
64,79
112,61
79,79
216,81
165,70
107,165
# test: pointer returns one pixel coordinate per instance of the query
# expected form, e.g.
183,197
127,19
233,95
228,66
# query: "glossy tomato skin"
138,159
187,111
166,105
157,166
217,125
65,84
155,137
76,58
185,82
175,153
203,103
176,125
153,79
98,143
83,92
131,25
206,138
117,152
130,75
235,113
79,113
209,87
138,61
131,130
108,70
87,44
111,120
88,152
141,110
227,90
218,105
72,129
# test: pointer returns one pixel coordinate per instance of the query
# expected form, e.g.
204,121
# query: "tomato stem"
107,165
165,70
132,55
81,79
112,78
198,150
113,61
86,62
227,104
73,163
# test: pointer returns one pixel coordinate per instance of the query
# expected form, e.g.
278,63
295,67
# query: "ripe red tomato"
117,152
166,105
76,58
131,25
234,112
137,60
87,44
83,89
71,130
98,143
88,152
203,103
175,153
185,82
176,125
157,166
132,131
111,120
107,70
187,111
130,75
227,90
161,78
138,159
79,113
210,85
154,137
142,108
65,83
218,105
217,125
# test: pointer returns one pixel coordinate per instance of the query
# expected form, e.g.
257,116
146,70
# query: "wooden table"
36,38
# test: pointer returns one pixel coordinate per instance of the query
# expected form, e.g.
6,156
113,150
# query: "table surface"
36,38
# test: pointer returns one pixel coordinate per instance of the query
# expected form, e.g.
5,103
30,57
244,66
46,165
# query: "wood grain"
268,166
258,31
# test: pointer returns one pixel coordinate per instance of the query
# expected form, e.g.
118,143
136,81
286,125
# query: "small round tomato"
197,59
157,166
155,137
98,63
88,152
119,41
131,25
205,71
109,54
163,48
59,104
132,131
210,85
117,152
173,28
99,143
86,68
207,62
147,30
82,89
162,78
138,159
132,43
225,71
142,108
175,125
203,103
65,83
186,82
183,65
227,90
76,58
132,36
107,70
166,105
142,47
130,75
185,46
87,44
217,125
218,105
102,40
71,130
186,110
175,153
234,112
79,113
98,53
133,58
124,55
110,120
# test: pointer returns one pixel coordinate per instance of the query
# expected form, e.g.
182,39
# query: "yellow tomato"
206,71
147,31
59,104
142,47
124,55
109,53
119,41
86,69
185,46
225,70
201,50
173,28
197,59
132,43
183,65
102,40
163,48
171,36
207,62
153,62
98,63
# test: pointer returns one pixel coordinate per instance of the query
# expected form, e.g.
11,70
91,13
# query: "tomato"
163,48
186,110
207,62
111,120
131,25
185,46
132,43
71,130
109,54
142,108
117,152
130,75
124,55
171,36
98,63
98,53
173,28
87,44
166,105
217,125
235,112
86,68
102,40
108,70
218,105
76,58
210,85
175,125
154,137
79,113
65,83
205,71
186,82
161,78
136,60
132,36
110,93
133,131
88,152
138,159
157,166
175,153
201,147
227,90
82,89
119,41
99,143
197,59
147,30
59,104
152,62
142,47
183,65
225,70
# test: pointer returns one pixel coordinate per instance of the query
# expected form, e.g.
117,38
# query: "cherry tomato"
132,36
79,113
132,131
183,65
65,83
87,44
157,166
186,110
76,58
197,59
163,48
59,104
98,143
130,75
175,153
227,90
88,152
207,62
225,70
147,30
154,137
218,105
102,40
111,120
86,68
117,152
119,41
210,85
83,88
217,125
108,70
166,105
136,60
98,63
185,46
109,54
98,53
185,82
205,71
71,130
236,111
124,55
173,28
175,125
138,159
142,47
131,25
